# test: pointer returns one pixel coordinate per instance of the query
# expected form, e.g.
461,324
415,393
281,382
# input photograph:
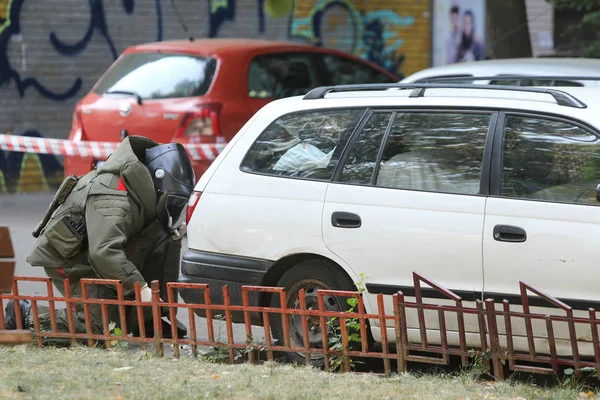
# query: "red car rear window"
159,75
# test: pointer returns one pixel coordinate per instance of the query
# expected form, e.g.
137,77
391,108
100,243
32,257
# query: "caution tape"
97,150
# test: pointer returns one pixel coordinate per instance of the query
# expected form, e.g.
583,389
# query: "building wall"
52,51
540,18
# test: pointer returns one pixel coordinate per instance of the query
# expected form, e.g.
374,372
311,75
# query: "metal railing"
497,348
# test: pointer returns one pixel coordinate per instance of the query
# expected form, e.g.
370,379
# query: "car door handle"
507,233
341,219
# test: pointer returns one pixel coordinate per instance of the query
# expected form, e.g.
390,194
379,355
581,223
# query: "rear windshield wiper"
134,94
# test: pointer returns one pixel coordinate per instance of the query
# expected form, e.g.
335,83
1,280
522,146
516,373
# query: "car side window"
362,158
305,145
546,159
344,71
438,152
280,75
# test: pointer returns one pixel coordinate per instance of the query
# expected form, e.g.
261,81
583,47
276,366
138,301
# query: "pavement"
22,212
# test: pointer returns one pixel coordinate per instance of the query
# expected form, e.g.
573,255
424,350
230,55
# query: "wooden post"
7,273
7,267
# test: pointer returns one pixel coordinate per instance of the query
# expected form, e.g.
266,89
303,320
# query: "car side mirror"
598,193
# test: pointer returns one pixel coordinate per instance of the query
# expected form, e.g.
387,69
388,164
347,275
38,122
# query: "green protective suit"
124,240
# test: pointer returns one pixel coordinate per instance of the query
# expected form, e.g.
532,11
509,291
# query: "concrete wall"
540,18
52,51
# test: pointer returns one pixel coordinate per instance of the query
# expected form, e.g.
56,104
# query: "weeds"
478,367
216,353
576,379
220,354
353,328
116,331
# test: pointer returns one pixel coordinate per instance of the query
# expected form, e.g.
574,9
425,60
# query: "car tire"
310,275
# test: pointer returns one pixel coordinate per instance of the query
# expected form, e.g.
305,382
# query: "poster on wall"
458,31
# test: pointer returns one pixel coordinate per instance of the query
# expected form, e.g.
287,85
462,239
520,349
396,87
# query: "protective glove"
146,294
177,234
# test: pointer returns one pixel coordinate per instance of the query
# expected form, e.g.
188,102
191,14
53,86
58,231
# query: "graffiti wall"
53,51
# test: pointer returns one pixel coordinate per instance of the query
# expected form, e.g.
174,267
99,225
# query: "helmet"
173,178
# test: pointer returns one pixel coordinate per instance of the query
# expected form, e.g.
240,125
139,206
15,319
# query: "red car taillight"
77,125
203,122
191,206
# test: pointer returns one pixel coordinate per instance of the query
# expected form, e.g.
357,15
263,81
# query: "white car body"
575,67
256,217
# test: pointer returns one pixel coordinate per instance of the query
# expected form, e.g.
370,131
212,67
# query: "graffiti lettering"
10,11
219,11
376,30
10,25
374,34
98,22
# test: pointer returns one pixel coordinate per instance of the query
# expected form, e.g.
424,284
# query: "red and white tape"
98,150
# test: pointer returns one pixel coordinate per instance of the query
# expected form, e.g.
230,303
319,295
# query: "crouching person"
123,221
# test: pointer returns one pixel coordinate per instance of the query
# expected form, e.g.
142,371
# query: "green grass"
27,372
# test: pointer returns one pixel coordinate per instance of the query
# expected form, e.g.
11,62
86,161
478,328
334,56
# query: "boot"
11,318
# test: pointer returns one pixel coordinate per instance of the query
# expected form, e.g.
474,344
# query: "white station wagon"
474,187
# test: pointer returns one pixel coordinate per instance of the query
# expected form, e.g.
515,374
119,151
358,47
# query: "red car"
203,91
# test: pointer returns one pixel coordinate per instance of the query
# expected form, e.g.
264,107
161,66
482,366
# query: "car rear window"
159,75
303,145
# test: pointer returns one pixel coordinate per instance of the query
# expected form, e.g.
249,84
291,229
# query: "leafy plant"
216,353
116,331
352,326
573,380
220,354
589,24
477,367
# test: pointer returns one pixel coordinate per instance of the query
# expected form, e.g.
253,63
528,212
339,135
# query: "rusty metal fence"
494,327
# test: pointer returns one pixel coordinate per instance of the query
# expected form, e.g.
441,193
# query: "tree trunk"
508,29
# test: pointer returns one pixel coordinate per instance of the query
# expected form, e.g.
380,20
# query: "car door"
542,223
414,204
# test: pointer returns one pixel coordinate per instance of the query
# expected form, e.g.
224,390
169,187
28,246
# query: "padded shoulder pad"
106,184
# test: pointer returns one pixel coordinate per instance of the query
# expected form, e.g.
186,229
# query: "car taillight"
191,206
200,123
77,125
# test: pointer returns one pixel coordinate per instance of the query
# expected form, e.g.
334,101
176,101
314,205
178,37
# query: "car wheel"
311,276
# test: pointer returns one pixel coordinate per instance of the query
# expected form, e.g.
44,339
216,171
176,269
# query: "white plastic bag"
303,157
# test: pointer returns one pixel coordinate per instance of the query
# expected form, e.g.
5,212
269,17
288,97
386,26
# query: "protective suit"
116,222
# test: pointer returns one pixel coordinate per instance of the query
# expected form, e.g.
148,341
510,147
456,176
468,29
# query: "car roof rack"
562,98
